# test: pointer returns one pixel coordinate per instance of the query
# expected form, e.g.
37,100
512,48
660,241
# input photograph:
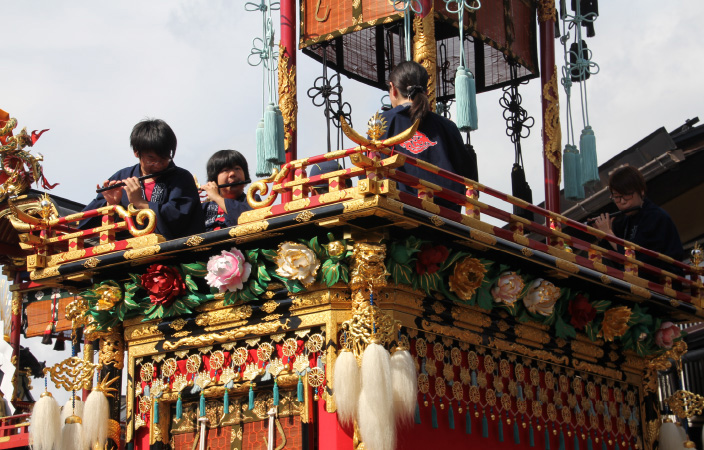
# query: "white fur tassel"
45,428
405,384
670,437
347,385
95,420
71,435
69,410
375,416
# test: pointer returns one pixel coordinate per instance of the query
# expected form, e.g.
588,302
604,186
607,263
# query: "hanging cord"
407,7
458,7
263,49
518,122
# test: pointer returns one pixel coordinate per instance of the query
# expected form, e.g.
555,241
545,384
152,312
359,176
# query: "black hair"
226,159
155,135
627,180
411,81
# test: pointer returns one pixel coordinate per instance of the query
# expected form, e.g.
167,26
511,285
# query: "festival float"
364,317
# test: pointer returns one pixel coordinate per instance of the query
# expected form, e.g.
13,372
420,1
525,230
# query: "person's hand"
211,188
113,196
134,193
603,223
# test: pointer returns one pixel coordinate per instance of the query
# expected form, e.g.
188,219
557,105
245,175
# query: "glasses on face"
619,198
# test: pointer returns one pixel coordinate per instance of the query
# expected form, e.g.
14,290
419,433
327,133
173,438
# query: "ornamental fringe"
375,417
405,386
95,420
71,436
347,387
670,437
45,429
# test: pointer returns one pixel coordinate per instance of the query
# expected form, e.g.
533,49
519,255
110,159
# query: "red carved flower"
430,257
581,312
163,283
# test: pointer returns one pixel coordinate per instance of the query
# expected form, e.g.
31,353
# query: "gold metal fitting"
72,419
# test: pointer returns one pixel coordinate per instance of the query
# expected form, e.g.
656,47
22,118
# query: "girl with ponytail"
437,141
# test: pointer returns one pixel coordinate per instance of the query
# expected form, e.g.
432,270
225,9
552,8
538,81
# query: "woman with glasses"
643,222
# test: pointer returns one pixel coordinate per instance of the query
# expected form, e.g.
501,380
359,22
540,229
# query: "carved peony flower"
164,284
666,335
430,258
508,288
541,297
467,277
581,312
615,322
228,270
297,262
109,296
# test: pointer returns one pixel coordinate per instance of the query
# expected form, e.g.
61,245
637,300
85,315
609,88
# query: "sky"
90,70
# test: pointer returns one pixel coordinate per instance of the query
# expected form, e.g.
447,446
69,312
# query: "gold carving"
566,265
72,373
551,119
142,252
142,330
424,51
40,274
531,333
287,95
305,216
16,303
194,241
91,262
640,292
547,11
178,324
269,306
208,339
112,350
234,313
250,228
114,431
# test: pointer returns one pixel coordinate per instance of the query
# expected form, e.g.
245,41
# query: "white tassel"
347,385
375,416
405,385
71,438
45,428
670,437
69,410
95,420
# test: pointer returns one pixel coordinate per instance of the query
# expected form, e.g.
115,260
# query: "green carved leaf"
190,284
402,274
344,273
601,305
196,269
317,248
564,330
129,301
430,282
256,288
270,255
484,299
230,298
454,257
263,274
330,272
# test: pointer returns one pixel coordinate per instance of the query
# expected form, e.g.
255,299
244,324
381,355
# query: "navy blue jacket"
437,141
235,207
175,201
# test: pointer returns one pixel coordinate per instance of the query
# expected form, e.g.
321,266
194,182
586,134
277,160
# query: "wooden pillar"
552,153
112,358
287,82
424,47
15,330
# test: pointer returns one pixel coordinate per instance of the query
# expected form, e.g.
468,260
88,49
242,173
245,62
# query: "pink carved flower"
666,335
541,297
228,270
507,288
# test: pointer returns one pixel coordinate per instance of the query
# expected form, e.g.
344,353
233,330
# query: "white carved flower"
297,262
541,297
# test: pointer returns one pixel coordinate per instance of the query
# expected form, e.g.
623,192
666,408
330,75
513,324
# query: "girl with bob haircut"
227,203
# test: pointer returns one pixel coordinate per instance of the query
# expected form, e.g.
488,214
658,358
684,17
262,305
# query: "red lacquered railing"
14,431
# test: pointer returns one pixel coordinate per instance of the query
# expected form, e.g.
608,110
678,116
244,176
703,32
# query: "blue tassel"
576,441
202,404
466,96
589,442
179,407
299,390
485,426
474,378
251,398
516,434
572,173
271,135
264,167
155,413
603,444
616,445
562,440
451,417
226,403
531,435
276,393
281,135
467,423
501,429
547,437
416,417
434,417
146,391
587,149
520,392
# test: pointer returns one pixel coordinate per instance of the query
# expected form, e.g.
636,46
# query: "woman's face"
627,201
231,175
